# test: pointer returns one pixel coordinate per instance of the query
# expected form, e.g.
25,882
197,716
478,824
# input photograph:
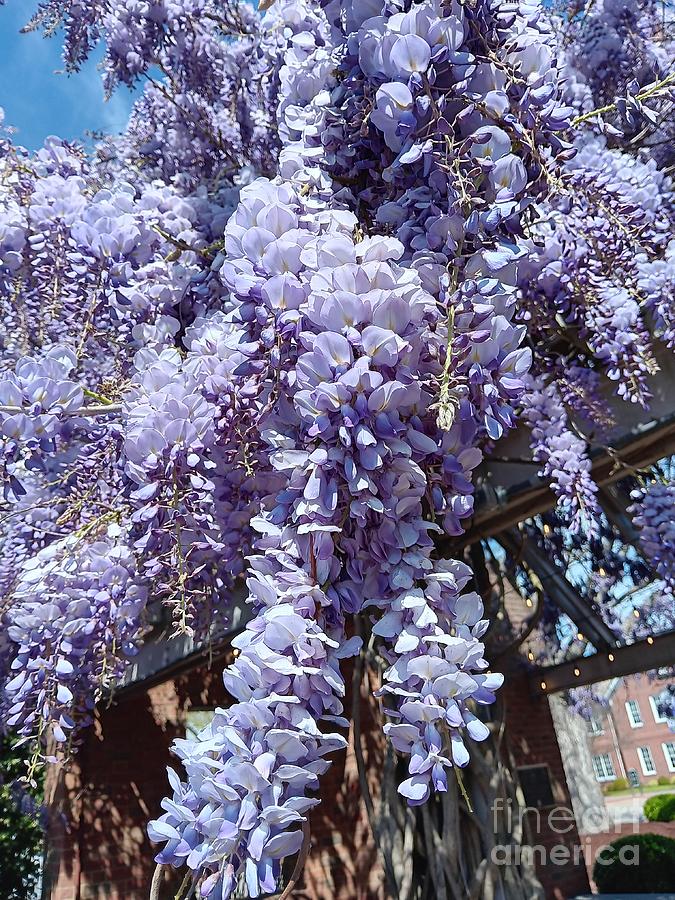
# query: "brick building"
631,734
98,848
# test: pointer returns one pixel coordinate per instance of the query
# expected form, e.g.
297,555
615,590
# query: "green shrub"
20,832
663,779
653,806
636,864
660,808
619,784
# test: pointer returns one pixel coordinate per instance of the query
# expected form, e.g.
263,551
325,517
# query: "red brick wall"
101,804
532,741
120,778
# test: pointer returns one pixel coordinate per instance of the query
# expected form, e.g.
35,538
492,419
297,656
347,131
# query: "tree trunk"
461,845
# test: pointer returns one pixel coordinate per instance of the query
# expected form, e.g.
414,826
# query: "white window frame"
606,765
670,760
643,765
595,726
655,710
631,717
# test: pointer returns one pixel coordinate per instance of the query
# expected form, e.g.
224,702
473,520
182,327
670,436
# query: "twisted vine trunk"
445,849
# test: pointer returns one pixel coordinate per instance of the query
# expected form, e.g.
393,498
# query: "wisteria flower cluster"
76,616
654,515
350,429
564,455
598,277
619,70
269,332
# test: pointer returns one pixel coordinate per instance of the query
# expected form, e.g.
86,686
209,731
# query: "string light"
530,655
610,657
528,602
601,572
543,685
580,636
650,640
577,672
636,613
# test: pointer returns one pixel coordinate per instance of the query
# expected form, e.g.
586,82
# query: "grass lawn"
643,789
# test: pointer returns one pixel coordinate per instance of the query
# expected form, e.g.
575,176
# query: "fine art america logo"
521,828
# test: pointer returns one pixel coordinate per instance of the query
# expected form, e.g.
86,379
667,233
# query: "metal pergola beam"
637,453
642,656
615,503
564,595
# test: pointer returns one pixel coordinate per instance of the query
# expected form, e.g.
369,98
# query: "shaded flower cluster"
595,287
654,515
77,609
619,60
564,455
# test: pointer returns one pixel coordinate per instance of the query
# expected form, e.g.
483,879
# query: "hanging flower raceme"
618,58
36,400
596,284
303,389
563,454
433,635
348,343
654,516
250,770
656,282
362,358
77,608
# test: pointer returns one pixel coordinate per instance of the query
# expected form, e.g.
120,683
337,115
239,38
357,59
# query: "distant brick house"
631,738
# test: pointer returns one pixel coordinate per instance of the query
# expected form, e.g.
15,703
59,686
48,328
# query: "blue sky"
39,102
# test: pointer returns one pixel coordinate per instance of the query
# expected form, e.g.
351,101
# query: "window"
669,753
603,768
536,784
595,726
196,720
633,710
646,761
654,703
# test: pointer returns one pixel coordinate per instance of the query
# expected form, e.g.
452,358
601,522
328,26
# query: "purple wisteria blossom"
654,515
268,334
562,453
77,607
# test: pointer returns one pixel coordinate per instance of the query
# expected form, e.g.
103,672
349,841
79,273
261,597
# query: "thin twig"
361,767
183,245
157,881
643,95
102,410
186,886
299,863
